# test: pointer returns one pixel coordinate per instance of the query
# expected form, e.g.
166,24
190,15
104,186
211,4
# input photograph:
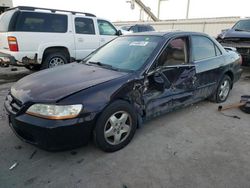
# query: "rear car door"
86,38
107,31
209,65
176,74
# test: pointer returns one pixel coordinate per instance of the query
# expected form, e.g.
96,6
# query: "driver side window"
175,53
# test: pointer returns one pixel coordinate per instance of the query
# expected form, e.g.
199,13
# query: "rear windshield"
5,19
41,22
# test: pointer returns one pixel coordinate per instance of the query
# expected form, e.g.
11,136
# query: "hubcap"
117,128
224,90
56,61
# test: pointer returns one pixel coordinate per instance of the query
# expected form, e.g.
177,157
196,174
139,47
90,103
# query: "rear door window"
203,48
5,20
84,26
41,22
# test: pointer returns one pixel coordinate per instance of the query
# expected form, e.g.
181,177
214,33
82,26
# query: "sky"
120,10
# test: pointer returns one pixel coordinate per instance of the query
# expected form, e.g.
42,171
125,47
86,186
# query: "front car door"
86,39
177,75
208,60
107,31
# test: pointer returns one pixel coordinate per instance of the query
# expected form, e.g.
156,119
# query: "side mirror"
119,32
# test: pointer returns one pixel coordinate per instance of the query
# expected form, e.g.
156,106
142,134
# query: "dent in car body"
96,87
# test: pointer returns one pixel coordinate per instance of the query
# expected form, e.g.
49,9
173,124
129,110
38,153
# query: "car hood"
231,33
54,84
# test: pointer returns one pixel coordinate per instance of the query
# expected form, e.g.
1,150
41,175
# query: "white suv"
40,38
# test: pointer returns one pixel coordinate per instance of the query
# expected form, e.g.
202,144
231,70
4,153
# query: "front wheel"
223,89
115,127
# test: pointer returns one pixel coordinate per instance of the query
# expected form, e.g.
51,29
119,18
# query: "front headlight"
55,111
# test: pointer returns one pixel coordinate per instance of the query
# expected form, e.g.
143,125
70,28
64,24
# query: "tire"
115,127
54,59
222,92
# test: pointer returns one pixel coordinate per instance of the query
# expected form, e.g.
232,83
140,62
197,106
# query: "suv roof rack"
49,9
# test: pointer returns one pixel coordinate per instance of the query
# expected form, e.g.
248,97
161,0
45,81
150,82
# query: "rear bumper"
11,60
7,59
238,74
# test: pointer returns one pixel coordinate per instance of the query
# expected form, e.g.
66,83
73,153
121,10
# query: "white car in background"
40,38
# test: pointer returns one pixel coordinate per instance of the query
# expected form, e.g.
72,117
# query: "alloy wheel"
56,61
117,127
224,89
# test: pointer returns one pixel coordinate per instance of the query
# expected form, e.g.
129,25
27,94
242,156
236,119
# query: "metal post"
159,8
187,15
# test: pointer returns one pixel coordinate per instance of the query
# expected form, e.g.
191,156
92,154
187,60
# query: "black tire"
218,97
104,125
53,59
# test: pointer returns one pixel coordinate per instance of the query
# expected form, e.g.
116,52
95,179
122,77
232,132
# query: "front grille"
12,104
243,51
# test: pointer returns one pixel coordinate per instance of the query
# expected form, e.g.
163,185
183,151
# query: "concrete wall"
6,3
211,26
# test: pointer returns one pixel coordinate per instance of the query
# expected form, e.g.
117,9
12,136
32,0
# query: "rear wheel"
115,127
223,89
54,60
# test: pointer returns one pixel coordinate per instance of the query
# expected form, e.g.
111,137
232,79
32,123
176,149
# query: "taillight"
13,45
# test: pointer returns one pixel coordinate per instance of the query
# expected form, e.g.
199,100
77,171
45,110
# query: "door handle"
80,39
102,40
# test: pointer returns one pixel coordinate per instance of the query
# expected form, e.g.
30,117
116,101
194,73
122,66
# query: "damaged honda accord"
115,89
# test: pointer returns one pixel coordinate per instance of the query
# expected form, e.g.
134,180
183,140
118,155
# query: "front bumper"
51,134
242,49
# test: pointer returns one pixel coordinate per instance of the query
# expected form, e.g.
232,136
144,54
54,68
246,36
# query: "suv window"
203,48
5,19
106,28
84,26
41,22
175,53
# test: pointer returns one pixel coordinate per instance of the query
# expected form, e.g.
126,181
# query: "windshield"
243,25
128,53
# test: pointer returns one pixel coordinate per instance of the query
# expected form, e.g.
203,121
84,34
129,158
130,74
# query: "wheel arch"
56,49
231,76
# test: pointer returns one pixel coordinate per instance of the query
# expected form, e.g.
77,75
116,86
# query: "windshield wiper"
103,65
242,30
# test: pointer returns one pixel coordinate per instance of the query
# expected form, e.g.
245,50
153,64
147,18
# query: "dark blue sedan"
116,88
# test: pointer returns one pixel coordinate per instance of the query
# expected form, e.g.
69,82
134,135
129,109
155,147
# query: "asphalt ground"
193,147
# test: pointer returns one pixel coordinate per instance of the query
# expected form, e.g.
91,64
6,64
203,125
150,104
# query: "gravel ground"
193,147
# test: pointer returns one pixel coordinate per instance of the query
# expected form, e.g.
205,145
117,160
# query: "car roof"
167,34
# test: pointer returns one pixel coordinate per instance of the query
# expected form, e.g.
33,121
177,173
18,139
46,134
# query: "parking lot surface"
193,147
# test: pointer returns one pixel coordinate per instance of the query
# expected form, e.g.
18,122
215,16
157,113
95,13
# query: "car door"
208,60
170,84
86,39
107,31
